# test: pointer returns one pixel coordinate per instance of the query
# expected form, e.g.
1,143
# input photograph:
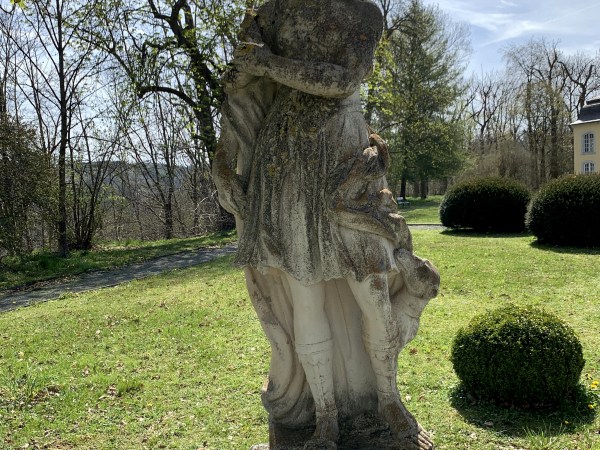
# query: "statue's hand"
252,58
382,150
234,80
232,195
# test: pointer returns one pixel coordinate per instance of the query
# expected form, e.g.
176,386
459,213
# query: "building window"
589,167
588,143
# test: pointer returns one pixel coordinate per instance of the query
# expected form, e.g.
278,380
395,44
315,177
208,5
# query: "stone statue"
328,261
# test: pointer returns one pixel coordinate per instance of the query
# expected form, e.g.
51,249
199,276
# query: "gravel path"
427,226
106,278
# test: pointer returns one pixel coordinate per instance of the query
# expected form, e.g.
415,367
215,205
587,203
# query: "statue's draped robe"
320,212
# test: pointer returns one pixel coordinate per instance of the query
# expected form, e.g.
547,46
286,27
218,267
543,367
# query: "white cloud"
495,24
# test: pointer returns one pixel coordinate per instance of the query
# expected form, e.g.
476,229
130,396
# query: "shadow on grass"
518,422
469,233
169,246
566,249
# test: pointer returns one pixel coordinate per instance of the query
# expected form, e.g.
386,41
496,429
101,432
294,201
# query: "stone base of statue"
365,432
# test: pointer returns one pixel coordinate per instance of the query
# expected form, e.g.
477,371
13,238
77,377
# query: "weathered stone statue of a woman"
328,261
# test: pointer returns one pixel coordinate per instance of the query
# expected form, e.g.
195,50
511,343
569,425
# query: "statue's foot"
326,434
416,441
404,426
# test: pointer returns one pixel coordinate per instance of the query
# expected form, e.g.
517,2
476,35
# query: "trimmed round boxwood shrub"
566,211
518,355
486,204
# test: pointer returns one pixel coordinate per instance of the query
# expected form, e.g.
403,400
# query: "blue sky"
575,24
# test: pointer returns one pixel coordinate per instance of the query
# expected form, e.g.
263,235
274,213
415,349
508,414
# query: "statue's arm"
232,195
246,104
316,77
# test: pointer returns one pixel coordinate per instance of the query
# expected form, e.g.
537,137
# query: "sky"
496,24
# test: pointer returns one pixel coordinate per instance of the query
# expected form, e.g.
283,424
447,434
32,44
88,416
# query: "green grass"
422,211
177,361
42,266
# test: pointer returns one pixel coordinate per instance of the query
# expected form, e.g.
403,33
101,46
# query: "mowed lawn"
177,361
422,211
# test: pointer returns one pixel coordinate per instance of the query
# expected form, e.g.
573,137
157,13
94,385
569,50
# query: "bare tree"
495,111
91,153
543,84
487,99
177,48
155,144
584,75
56,71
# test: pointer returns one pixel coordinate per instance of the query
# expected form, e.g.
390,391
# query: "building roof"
590,112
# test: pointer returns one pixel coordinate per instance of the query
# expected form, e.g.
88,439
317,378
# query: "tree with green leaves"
179,48
413,97
25,183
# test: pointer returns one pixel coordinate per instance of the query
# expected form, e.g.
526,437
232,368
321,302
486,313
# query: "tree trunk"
168,211
444,185
542,177
195,197
416,188
424,188
140,223
116,225
554,166
403,187
63,245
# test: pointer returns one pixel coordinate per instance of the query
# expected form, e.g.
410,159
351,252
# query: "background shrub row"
565,211
486,204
